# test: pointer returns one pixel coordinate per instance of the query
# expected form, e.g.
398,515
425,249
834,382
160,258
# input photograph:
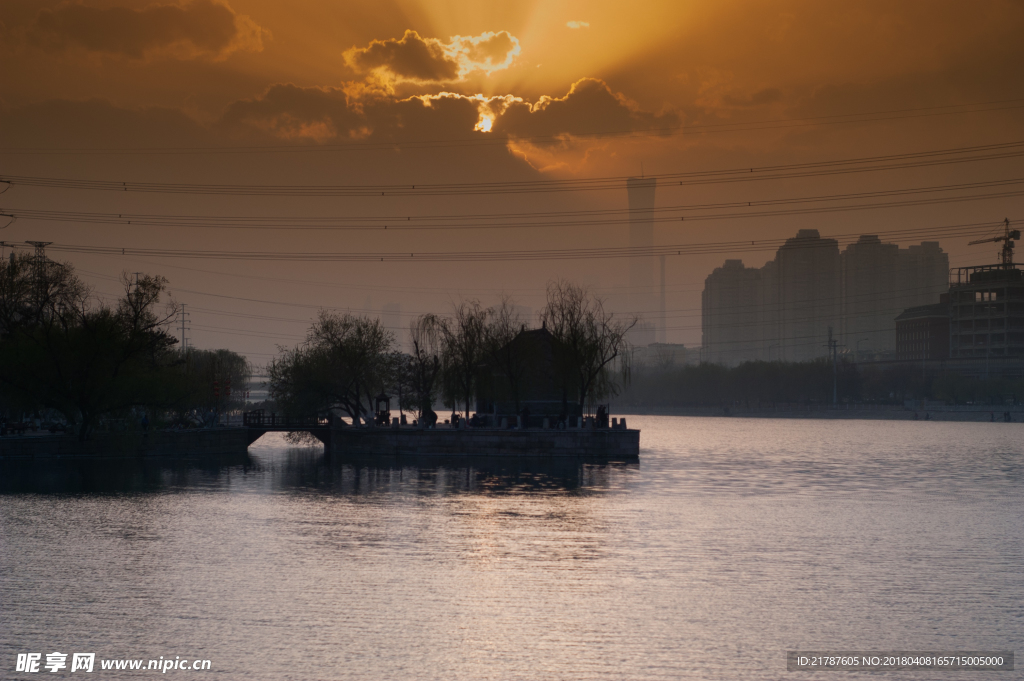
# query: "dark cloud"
197,28
411,57
98,124
296,113
290,113
322,114
330,115
590,108
426,118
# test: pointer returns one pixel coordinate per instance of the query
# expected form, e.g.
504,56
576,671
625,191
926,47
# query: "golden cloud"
408,58
200,28
589,108
415,58
486,52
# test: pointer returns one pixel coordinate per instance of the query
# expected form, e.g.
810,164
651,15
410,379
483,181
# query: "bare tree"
589,340
462,340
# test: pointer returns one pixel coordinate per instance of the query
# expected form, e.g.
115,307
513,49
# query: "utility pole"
663,330
3,252
833,346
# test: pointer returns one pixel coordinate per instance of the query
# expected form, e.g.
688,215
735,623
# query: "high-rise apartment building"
872,296
923,274
784,310
808,295
730,314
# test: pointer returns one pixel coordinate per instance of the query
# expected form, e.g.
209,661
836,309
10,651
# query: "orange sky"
512,91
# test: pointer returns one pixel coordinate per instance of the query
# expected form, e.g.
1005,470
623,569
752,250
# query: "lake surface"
732,541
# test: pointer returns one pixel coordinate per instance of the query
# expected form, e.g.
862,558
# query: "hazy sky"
429,92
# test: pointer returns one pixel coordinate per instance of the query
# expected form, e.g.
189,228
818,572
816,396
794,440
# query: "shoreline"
960,413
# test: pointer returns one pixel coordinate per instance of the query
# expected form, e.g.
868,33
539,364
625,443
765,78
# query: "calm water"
730,542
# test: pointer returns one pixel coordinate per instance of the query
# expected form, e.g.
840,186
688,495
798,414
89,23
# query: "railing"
260,419
984,274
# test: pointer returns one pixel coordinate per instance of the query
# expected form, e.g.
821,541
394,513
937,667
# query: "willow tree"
463,338
589,340
424,364
345,361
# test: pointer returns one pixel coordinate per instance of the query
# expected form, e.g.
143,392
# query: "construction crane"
1008,237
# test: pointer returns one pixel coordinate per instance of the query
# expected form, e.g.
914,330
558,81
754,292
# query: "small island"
512,391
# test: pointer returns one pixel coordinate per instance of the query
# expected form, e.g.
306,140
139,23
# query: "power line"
934,157
382,287
656,215
652,315
254,334
492,256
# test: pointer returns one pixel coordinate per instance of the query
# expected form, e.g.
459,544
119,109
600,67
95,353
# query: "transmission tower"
39,269
184,327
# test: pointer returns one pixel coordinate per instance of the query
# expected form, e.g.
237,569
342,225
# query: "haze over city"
285,131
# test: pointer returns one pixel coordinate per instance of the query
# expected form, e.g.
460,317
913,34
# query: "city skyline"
812,293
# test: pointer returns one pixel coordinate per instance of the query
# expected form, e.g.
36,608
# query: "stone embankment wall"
608,443
153,443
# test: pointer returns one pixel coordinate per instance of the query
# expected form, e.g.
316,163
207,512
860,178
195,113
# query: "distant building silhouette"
731,314
642,297
922,332
872,296
923,274
784,310
664,355
808,298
